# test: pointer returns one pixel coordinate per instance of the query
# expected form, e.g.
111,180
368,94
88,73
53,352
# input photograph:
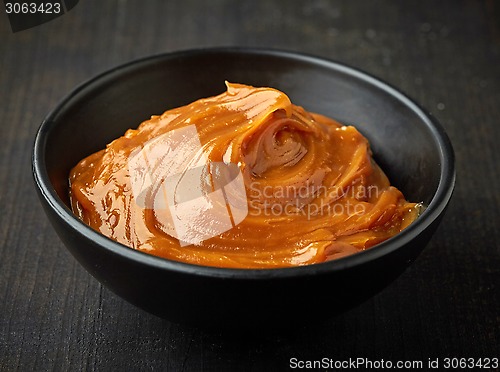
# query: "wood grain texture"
446,55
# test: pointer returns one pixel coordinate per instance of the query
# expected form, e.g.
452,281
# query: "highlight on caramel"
245,179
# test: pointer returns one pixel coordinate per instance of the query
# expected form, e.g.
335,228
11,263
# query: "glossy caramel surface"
312,191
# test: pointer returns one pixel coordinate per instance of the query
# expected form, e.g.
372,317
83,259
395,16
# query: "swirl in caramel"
311,190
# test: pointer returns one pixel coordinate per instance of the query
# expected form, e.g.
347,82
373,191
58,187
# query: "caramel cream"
302,189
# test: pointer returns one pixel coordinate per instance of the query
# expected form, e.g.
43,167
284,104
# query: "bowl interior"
403,138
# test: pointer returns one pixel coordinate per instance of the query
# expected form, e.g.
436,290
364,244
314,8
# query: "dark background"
444,54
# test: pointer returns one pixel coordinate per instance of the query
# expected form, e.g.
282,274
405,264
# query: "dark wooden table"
444,54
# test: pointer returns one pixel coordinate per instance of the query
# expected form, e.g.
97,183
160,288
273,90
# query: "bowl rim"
433,210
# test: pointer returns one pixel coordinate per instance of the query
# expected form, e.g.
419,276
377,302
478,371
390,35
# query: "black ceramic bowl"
407,142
